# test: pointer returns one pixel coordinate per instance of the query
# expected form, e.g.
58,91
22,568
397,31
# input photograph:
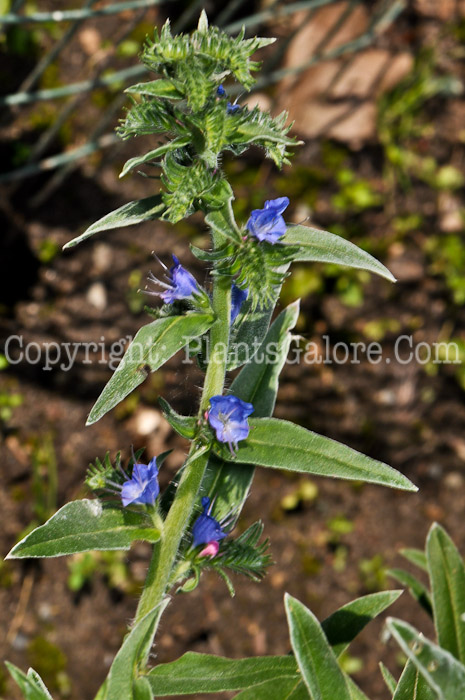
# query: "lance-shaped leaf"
322,246
317,661
205,673
283,445
388,678
141,689
157,88
263,130
447,576
247,333
346,623
355,692
130,661
152,155
31,684
128,215
417,589
222,221
290,688
257,383
412,685
152,346
183,425
415,556
83,526
259,379
442,672
102,691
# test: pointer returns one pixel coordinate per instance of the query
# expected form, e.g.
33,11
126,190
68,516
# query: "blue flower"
238,296
230,108
207,530
142,488
180,283
228,417
267,224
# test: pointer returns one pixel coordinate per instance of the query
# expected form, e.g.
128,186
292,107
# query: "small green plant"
111,565
447,255
9,400
44,476
434,670
402,125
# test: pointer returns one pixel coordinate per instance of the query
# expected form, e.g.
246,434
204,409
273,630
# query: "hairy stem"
165,551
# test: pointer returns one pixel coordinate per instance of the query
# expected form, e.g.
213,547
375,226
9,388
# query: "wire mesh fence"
84,57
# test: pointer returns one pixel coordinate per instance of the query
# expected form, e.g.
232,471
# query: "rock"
90,40
407,270
102,257
338,98
146,421
454,481
97,296
258,99
439,9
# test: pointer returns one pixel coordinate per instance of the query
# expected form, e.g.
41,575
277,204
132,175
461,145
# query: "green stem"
165,551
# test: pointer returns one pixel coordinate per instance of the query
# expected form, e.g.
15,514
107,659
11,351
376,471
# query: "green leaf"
355,692
152,346
447,576
142,689
317,661
183,425
152,155
131,659
412,685
388,678
322,246
283,445
83,526
102,692
202,26
257,383
128,215
156,88
258,380
205,673
443,673
222,221
416,556
346,623
290,688
417,589
31,685
197,85
187,186
261,129
248,332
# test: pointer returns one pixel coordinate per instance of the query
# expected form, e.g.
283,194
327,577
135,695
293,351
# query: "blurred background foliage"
375,89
